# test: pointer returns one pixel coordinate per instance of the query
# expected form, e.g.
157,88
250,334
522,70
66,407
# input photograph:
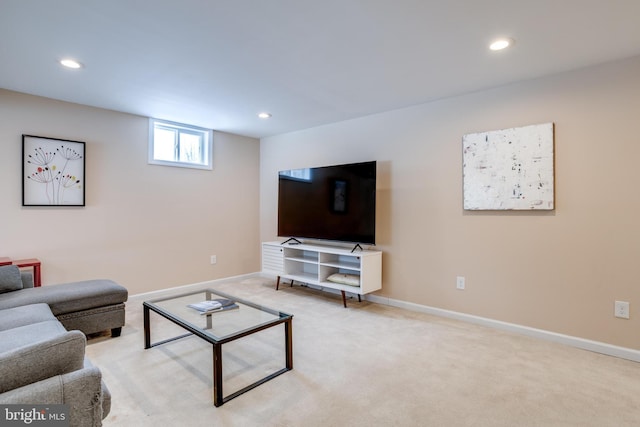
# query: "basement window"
177,144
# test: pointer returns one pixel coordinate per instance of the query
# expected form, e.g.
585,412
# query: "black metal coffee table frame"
217,342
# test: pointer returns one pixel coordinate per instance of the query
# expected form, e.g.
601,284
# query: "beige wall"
147,227
559,271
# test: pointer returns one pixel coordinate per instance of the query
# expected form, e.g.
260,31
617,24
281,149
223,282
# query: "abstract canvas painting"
509,169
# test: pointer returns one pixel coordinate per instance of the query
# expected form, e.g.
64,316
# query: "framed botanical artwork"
53,172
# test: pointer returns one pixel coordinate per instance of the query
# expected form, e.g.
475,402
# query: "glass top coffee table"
219,328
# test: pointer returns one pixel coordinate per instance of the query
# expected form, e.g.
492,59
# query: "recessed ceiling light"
71,63
264,115
500,44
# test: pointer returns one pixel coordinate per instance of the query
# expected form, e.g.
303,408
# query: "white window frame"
206,136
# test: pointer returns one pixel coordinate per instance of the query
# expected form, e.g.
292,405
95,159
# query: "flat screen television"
329,203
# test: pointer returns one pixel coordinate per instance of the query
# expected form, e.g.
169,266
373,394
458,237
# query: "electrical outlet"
214,259
621,309
460,282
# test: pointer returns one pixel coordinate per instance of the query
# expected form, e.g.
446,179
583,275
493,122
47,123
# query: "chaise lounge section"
89,306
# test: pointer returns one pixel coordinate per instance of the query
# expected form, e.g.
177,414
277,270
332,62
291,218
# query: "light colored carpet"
366,365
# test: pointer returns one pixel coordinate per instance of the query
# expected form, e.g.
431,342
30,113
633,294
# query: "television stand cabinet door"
327,267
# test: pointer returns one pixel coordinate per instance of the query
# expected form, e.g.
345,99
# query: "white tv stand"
313,264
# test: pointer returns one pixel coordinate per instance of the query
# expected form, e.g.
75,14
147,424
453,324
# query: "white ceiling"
217,63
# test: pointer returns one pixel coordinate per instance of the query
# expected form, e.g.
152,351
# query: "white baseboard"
595,346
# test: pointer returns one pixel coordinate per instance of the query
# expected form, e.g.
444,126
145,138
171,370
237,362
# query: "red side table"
20,263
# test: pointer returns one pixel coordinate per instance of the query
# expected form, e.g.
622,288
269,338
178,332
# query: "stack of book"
214,306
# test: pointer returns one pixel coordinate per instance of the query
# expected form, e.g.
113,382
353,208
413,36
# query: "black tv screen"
329,203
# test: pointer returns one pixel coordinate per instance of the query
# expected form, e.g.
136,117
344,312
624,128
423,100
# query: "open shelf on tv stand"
315,264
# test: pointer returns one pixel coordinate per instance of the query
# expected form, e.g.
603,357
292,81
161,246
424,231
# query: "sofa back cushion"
10,279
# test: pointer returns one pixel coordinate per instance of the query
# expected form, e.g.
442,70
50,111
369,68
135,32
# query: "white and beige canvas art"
509,169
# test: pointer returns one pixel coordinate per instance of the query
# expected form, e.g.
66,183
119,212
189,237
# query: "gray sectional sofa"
42,343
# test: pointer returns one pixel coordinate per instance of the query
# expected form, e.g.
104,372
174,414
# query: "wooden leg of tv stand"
278,283
344,299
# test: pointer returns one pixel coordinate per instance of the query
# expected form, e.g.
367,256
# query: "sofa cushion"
10,279
25,315
34,352
69,297
29,334
27,278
